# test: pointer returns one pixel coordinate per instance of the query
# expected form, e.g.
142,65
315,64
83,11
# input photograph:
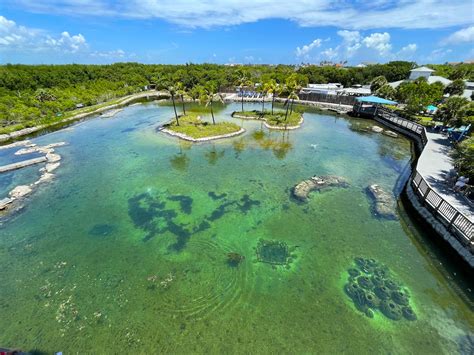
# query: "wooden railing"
443,211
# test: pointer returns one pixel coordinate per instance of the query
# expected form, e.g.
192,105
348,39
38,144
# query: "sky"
235,31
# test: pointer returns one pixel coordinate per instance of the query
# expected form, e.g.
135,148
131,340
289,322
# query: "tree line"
31,95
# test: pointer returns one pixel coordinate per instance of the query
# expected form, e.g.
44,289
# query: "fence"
442,210
333,99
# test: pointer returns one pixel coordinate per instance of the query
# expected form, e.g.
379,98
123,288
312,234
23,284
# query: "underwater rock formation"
371,288
234,259
390,134
274,252
384,202
377,129
302,190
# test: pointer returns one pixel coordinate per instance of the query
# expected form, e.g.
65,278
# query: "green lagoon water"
127,247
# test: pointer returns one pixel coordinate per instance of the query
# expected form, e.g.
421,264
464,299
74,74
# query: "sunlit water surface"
127,247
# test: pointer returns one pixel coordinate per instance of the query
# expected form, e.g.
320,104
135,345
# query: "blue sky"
235,31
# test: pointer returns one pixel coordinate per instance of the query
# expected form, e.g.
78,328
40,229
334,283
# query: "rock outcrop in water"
372,288
302,190
384,202
52,163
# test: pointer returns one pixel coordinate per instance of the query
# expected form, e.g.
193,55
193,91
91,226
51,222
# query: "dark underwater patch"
126,130
246,204
102,230
371,288
215,196
185,202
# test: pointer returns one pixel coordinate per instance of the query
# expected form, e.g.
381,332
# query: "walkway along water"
447,214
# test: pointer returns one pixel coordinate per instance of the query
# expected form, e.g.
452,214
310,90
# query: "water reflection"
214,155
278,142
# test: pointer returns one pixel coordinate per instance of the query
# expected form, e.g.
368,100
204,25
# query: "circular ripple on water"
207,283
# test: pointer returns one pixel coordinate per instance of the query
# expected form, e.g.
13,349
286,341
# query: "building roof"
424,69
375,100
434,78
355,91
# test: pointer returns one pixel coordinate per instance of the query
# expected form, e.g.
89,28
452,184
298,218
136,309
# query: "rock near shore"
384,202
20,191
302,190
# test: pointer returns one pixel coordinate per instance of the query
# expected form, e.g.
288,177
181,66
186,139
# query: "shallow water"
127,247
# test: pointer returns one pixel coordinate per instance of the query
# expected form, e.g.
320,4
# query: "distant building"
420,72
328,89
425,72
336,89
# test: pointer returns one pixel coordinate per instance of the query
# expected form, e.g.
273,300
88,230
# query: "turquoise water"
127,247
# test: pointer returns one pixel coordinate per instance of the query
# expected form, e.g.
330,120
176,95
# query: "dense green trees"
418,94
453,110
30,95
464,157
455,88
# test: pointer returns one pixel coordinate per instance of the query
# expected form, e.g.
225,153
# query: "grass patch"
277,119
192,126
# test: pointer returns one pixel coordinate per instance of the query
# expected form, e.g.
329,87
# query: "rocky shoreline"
199,140
52,160
235,114
317,183
285,127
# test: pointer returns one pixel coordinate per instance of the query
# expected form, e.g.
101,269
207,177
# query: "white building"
421,72
328,89
426,73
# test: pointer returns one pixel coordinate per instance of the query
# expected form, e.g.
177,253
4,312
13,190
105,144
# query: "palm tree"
208,97
171,90
195,92
243,83
181,91
273,88
263,89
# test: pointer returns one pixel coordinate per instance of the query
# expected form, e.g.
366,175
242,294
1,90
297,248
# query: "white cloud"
407,52
67,43
311,13
380,42
303,51
16,38
461,36
438,54
330,53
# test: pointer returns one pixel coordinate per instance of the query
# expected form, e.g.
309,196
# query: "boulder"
390,133
5,202
54,145
384,202
53,158
20,191
302,190
44,178
24,151
50,167
377,129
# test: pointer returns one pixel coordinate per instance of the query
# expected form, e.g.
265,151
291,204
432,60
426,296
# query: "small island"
276,120
192,128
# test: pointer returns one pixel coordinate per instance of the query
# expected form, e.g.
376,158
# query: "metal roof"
375,100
